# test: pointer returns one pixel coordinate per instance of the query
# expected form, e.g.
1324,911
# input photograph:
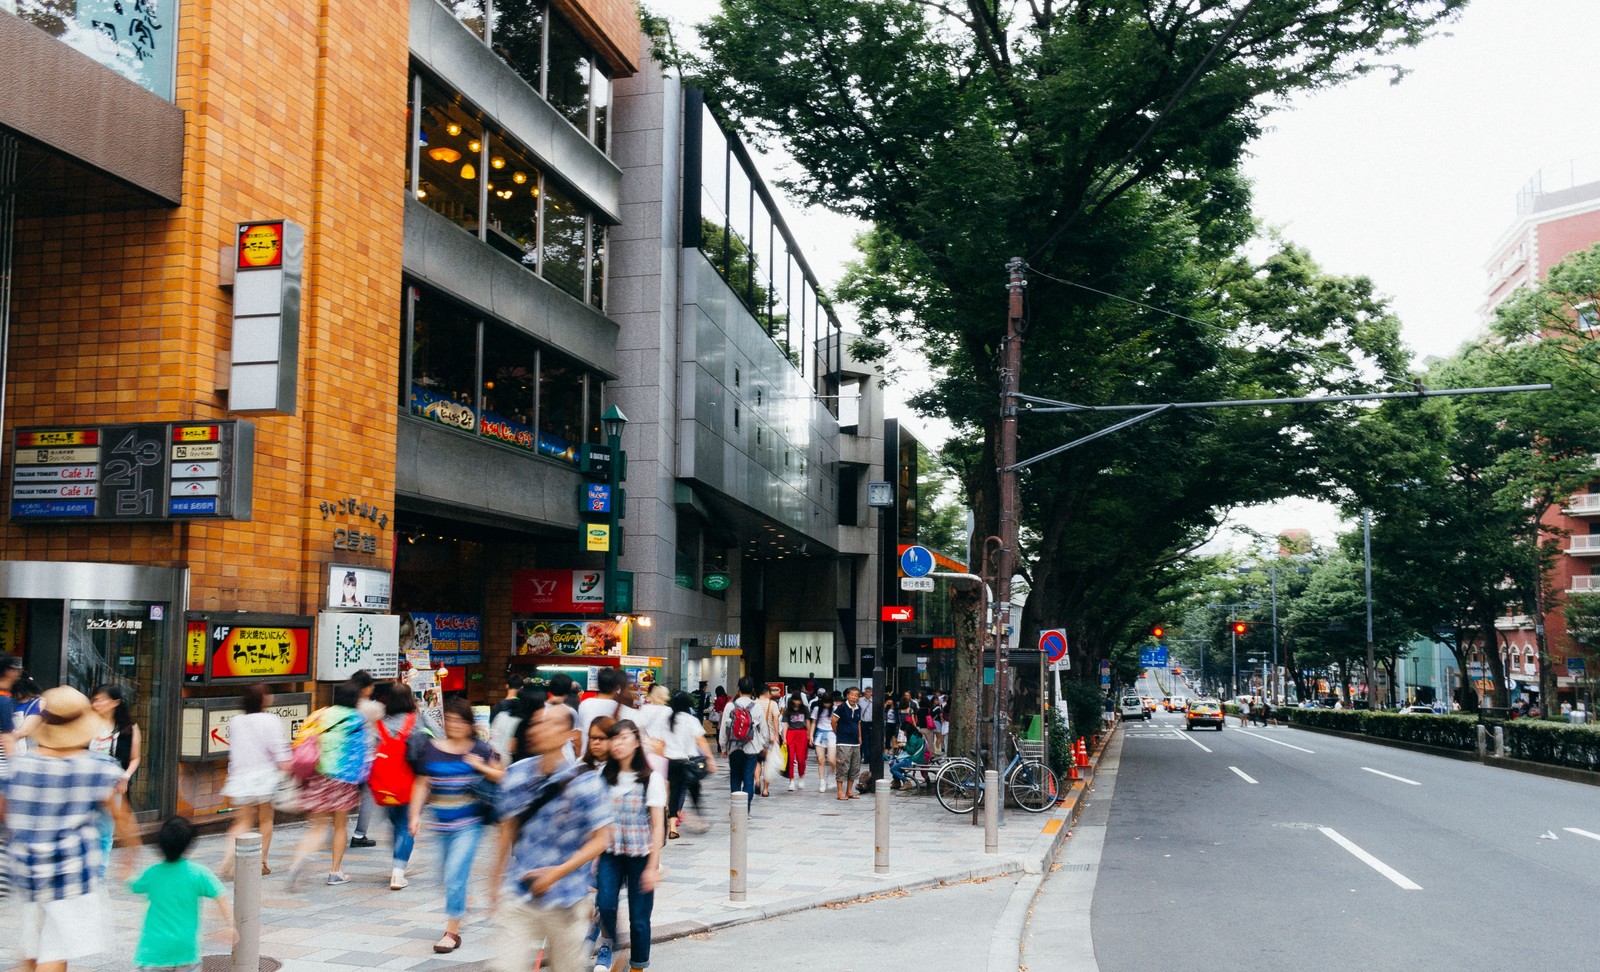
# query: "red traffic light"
1177,671
1240,627
1159,631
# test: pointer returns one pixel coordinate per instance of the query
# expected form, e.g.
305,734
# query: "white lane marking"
1391,776
1191,739
1581,833
1372,862
1242,774
1280,742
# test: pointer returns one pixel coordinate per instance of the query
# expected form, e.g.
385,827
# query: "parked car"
1417,710
1149,703
1132,707
1204,712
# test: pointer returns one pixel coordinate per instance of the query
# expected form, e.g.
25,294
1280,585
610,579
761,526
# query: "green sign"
716,582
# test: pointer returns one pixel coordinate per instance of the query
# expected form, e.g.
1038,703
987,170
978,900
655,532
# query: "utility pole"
1005,563
1366,553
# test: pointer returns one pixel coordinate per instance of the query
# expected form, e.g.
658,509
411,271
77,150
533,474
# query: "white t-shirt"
652,719
596,708
683,735
655,794
256,742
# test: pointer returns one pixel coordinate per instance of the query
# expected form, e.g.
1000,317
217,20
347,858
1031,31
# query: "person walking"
823,738
1244,711
258,756
771,760
689,759
170,936
633,853
555,821
610,700
344,757
447,774
371,708
122,741
742,737
719,703
10,674
847,726
797,732
50,800
392,781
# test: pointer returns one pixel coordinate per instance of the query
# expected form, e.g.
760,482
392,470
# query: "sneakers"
337,878
602,958
793,785
397,879
362,840
822,784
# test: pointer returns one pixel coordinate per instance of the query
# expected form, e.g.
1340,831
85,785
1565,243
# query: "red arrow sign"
901,613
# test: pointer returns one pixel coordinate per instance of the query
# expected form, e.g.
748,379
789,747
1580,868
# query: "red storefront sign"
558,591
898,612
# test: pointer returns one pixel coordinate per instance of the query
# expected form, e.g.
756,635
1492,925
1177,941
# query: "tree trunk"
966,602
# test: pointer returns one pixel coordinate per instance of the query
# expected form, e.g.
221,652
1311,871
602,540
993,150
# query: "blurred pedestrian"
344,758
796,735
122,741
689,760
823,738
10,674
50,799
392,784
258,756
448,771
170,936
371,709
633,853
27,697
555,820
770,759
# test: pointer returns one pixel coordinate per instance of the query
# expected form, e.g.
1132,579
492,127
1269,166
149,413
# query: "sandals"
672,834
447,944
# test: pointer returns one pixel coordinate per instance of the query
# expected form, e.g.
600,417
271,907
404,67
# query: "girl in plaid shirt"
639,806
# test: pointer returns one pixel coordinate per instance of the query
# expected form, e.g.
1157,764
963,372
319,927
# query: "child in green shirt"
170,938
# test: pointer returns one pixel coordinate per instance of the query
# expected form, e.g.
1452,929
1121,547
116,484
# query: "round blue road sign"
916,561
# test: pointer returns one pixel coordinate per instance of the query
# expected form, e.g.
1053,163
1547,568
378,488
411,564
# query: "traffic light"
1240,627
1178,672
1158,632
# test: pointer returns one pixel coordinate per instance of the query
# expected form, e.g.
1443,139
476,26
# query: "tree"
1100,140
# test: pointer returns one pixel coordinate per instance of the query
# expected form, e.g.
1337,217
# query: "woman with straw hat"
49,802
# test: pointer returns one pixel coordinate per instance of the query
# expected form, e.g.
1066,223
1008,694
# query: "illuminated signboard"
145,471
247,648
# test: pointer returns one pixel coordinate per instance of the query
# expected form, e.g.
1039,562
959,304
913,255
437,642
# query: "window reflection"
510,370
600,95
134,40
470,13
518,37
449,156
444,351
563,248
560,405
597,265
513,203
567,74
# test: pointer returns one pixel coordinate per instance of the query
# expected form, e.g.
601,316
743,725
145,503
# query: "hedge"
1538,741
1534,740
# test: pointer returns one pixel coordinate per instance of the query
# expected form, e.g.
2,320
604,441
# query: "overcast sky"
1409,184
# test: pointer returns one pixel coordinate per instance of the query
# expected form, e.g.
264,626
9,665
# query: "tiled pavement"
806,849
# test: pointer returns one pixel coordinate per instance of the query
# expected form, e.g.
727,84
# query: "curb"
1570,774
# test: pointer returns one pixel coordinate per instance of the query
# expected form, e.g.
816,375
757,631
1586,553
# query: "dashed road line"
1391,776
1242,774
1279,742
1191,739
1372,862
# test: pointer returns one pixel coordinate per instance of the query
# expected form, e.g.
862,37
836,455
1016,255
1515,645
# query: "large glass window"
471,13
123,643
568,71
513,203
450,156
565,237
444,356
510,386
600,95
518,37
135,38
596,409
561,382
597,264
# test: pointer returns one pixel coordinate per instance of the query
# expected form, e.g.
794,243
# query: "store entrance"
68,631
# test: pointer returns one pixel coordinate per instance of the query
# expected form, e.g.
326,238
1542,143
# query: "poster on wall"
555,592
260,653
347,642
546,636
452,638
424,684
802,654
195,645
352,588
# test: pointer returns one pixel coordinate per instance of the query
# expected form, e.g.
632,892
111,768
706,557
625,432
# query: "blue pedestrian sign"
916,561
1576,667
1153,657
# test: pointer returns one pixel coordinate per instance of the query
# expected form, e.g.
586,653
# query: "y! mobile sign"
558,591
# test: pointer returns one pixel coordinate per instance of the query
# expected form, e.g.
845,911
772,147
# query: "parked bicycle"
1029,782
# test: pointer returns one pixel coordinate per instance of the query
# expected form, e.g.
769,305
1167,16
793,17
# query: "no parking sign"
1053,642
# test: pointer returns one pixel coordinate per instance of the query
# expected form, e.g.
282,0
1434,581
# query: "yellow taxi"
1204,712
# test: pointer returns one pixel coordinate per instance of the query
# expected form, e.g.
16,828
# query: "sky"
1410,184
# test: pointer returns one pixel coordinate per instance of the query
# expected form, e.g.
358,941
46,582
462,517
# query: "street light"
619,584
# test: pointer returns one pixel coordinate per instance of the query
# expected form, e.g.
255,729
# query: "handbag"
289,796
697,767
487,794
304,757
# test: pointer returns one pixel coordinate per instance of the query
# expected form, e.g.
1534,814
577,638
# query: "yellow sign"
597,536
260,245
58,437
11,627
194,654
727,652
194,433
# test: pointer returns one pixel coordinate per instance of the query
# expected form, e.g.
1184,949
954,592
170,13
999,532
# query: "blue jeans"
458,848
400,818
108,838
613,870
742,768
897,767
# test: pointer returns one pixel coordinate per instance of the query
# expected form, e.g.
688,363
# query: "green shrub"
1085,704
1446,731
1060,742
1554,743
1344,720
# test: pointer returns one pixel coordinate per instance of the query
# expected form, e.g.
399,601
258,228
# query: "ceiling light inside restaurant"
474,145
443,154
468,172
453,128
498,162
519,177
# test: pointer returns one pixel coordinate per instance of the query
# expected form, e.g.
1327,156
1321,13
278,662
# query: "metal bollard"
738,844
247,902
1500,742
880,830
991,812
1483,741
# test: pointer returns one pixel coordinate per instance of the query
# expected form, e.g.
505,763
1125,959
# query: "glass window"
560,406
518,37
568,74
600,94
510,364
513,203
597,265
686,552
564,240
596,409
451,154
135,40
760,266
470,13
121,643
444,354
713,189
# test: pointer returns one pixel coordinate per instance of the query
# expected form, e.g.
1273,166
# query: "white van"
1132,707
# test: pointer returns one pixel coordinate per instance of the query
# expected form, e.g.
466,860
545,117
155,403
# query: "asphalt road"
1279,848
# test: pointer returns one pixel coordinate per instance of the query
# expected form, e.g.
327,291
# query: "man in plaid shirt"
49,799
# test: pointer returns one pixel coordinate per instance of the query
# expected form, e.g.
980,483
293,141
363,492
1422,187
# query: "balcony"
1585,545
1513,622
1584,504
1585,584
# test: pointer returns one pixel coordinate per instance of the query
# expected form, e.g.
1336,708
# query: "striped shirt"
630,810
450,781
51,811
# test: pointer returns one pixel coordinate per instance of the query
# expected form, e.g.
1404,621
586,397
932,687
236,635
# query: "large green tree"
1100,141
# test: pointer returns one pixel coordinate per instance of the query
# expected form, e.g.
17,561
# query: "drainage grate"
1074,867
224,963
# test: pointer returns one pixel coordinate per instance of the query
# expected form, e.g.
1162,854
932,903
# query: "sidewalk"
807,850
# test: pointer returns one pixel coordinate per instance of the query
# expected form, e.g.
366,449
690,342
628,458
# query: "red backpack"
742,728
392,778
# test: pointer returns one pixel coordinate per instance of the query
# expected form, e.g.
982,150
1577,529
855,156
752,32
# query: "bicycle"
1029,782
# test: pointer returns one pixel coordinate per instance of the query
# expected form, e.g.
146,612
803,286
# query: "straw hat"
68,721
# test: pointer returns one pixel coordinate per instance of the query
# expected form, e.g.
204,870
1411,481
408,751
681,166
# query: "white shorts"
60,931
252,786
826,740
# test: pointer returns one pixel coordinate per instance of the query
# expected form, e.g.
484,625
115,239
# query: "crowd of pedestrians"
580,799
